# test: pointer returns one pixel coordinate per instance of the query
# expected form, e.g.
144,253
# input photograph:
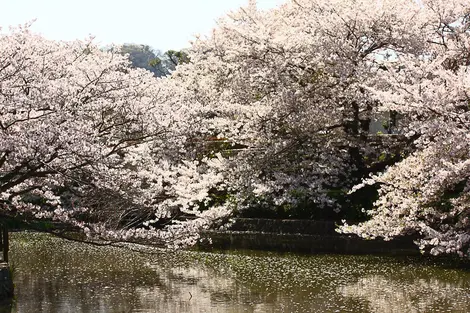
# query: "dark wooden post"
5,244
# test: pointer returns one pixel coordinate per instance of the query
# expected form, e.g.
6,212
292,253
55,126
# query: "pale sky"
162,24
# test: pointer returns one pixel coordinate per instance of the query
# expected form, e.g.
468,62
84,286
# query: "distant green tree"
160,64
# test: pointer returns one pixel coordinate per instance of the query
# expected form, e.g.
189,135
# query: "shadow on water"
56,276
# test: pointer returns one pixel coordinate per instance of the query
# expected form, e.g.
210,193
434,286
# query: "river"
52,275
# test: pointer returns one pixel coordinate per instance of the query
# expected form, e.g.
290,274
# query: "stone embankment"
6,282
302,236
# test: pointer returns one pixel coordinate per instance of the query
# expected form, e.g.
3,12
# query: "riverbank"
301,236
6,282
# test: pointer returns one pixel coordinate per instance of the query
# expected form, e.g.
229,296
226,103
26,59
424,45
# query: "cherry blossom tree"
284,91
273,109
87,140
295,88
428,192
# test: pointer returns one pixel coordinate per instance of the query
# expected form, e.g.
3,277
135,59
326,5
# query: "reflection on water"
56,276
413,295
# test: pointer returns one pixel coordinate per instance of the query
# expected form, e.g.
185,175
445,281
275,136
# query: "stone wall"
306,227
6,282
303,236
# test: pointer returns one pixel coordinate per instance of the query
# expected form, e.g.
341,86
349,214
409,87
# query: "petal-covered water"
58,276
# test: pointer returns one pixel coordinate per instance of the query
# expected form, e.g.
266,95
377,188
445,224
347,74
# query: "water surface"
57,276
